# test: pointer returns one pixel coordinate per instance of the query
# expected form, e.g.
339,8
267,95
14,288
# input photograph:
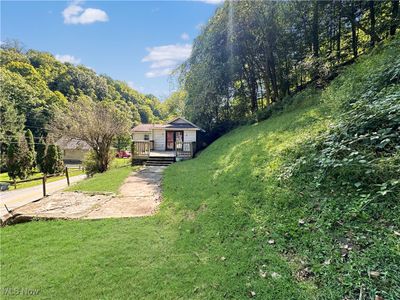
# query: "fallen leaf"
271,242
301,222
252,294
223,258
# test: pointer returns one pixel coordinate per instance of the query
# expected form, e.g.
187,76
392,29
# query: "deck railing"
185,149
141,149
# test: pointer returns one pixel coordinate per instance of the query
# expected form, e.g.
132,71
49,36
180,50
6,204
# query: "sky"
139,42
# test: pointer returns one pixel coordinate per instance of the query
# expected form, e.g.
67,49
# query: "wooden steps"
160,161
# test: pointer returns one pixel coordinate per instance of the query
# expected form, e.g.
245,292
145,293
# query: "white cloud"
76,14
67,58
159,72
212,1
164,59
185,36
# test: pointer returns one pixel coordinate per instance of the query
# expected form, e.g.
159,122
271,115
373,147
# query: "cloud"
159,73
212,1
67,58
164,59
185,36
76,14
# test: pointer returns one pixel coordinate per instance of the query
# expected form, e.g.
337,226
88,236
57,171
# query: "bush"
90,163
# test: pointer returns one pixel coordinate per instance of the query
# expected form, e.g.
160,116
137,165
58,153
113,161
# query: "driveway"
20,197
139,195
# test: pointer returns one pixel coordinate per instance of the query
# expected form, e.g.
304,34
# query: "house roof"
177,123
146,127
72,144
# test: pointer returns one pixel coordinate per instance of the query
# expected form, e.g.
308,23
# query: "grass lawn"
72,172
228,226
109,181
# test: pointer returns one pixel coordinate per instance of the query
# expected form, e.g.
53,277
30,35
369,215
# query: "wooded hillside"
34,84
253,54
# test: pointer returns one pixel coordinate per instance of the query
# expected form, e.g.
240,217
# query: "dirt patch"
139,195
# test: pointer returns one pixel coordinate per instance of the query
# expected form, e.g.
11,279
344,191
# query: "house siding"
139,136
189,136
74,155
159,139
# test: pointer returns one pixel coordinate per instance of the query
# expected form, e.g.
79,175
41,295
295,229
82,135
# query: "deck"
143,150
154,153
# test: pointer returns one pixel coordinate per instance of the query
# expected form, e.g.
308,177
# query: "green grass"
109,181
210,238
4,177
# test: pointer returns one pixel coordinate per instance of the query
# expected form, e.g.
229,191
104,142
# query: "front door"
173,137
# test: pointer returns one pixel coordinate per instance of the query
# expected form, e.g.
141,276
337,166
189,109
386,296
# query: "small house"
74,150
175,139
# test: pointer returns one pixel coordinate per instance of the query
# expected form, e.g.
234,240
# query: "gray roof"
72,144
177,123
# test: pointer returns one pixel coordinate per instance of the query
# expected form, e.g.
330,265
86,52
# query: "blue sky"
139,42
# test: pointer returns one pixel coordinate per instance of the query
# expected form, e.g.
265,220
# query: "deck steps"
160,161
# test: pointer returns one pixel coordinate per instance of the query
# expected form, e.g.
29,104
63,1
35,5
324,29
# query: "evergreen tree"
31,146
19,159
40,152
52,163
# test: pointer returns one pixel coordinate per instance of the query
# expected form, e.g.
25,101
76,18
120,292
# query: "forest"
34,85
252,55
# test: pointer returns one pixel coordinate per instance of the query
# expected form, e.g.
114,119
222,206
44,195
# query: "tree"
40,153
122,142
31,145
11,126
52,161
19,159
96,123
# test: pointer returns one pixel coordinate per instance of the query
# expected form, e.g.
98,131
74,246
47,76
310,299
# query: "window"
146,137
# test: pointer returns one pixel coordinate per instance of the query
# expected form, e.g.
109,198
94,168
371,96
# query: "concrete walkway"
139,195
20,197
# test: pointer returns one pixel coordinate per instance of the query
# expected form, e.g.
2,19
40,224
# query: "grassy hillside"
272,210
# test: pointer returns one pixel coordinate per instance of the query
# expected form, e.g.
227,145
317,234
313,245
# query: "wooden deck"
144,150
154,153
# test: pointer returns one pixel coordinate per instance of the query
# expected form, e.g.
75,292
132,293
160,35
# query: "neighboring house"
74,150
178,138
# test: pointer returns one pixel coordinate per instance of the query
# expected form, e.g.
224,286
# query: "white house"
177,137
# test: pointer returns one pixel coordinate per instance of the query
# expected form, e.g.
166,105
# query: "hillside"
303,205
35,84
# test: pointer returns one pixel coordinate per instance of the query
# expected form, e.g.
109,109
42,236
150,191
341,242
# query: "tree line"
253,54
35,86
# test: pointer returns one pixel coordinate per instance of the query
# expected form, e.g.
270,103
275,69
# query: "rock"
252,293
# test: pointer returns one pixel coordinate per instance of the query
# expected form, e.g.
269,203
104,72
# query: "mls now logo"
11,291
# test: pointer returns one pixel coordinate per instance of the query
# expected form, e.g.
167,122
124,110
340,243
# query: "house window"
146,137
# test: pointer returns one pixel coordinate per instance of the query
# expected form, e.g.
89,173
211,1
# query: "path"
139,195
20,197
